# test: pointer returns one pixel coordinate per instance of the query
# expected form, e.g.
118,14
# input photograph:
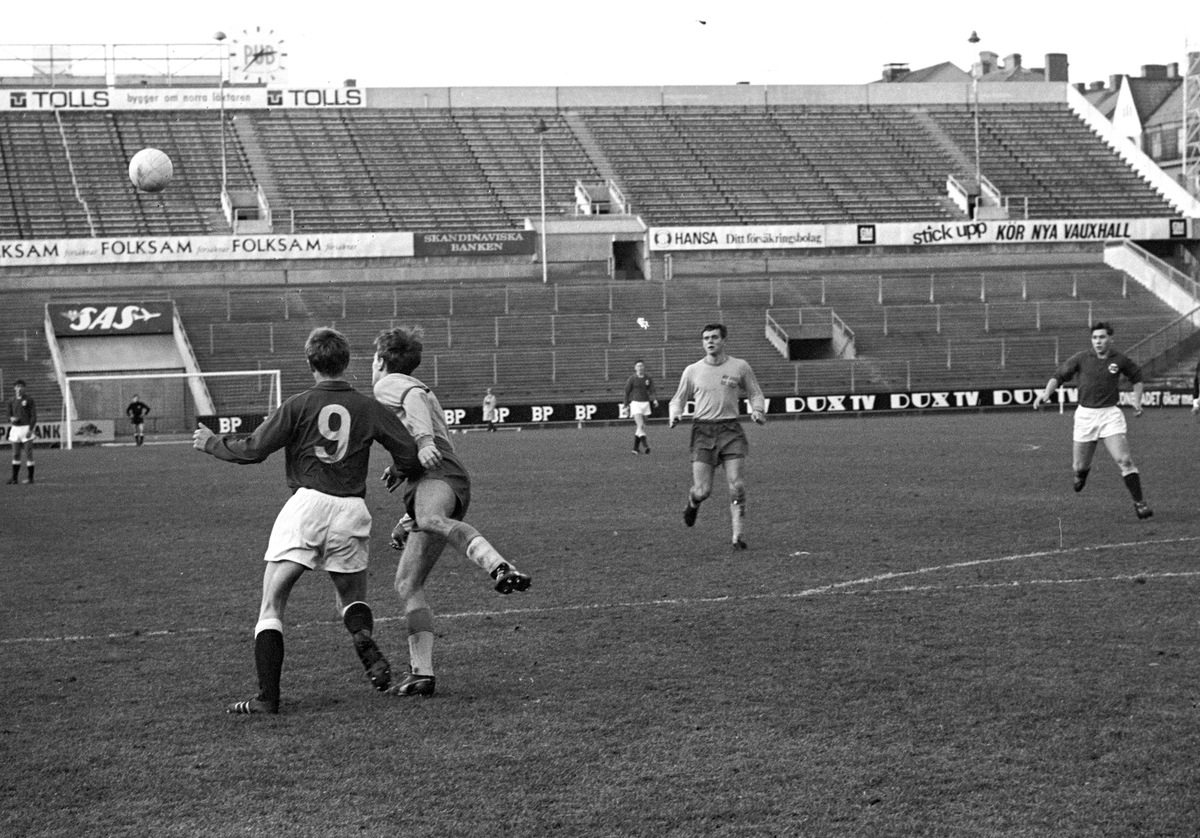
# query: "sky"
629,42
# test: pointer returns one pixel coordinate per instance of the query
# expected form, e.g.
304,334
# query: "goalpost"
176,399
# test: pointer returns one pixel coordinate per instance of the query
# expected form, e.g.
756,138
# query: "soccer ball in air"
643,322
150,170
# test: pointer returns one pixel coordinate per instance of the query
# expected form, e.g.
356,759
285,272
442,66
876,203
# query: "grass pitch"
931,634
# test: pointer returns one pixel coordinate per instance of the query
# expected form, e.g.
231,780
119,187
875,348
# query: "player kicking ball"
1097,418
715,383
435,503
326,433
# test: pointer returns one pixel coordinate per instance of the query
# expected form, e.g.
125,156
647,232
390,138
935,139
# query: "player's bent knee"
434,523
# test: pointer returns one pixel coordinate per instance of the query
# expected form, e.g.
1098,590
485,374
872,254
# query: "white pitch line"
1125,577
835,587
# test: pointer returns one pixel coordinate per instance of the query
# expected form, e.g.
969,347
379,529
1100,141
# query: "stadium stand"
477,169
47,156
1044,154
993,328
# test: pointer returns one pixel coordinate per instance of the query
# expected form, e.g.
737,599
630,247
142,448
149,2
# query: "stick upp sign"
108,319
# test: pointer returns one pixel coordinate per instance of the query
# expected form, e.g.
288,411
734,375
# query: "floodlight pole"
975,93
220,37
540,129
975,73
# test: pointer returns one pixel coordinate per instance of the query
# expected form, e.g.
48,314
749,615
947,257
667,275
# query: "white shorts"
639,408
20,433
322,532
1093,423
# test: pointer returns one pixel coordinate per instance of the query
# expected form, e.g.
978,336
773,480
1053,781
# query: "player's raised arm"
267,438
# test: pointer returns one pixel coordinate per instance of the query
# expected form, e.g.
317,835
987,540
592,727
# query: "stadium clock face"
258,56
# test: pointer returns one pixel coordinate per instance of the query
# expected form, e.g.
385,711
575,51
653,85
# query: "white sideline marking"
835,587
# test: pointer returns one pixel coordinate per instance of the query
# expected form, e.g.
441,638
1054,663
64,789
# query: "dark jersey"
327,434
1098,377
639,389
136,411
22,411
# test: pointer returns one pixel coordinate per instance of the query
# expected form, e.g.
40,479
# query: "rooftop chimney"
1095,86
1012,61
1114,82
1056,66
894,72
1156,72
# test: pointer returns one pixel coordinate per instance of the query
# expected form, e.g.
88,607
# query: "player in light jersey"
1097,417
435,503
326,433
491,413
715,383
640,399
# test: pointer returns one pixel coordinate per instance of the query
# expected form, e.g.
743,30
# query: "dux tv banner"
830,404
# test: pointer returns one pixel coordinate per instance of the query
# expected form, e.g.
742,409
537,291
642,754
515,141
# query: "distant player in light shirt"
490,410
435,503
716,383
1097,417
640,399
326,433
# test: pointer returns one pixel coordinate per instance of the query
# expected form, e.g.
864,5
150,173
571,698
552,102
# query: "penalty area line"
832,588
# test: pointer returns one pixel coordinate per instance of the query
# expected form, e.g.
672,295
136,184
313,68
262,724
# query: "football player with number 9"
326,433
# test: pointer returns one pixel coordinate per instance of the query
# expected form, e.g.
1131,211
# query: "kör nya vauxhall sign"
1019,231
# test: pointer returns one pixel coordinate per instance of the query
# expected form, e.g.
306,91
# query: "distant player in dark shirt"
640,399
22,419
137,412
1098,417
326,433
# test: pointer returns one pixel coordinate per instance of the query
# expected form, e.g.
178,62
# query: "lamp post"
974,39
540,129
219,37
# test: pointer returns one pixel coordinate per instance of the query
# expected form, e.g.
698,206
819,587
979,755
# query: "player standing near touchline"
1097,417
326,433
640,399
490,410
715,382
22,418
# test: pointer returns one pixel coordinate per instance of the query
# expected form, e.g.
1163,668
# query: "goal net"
177,400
